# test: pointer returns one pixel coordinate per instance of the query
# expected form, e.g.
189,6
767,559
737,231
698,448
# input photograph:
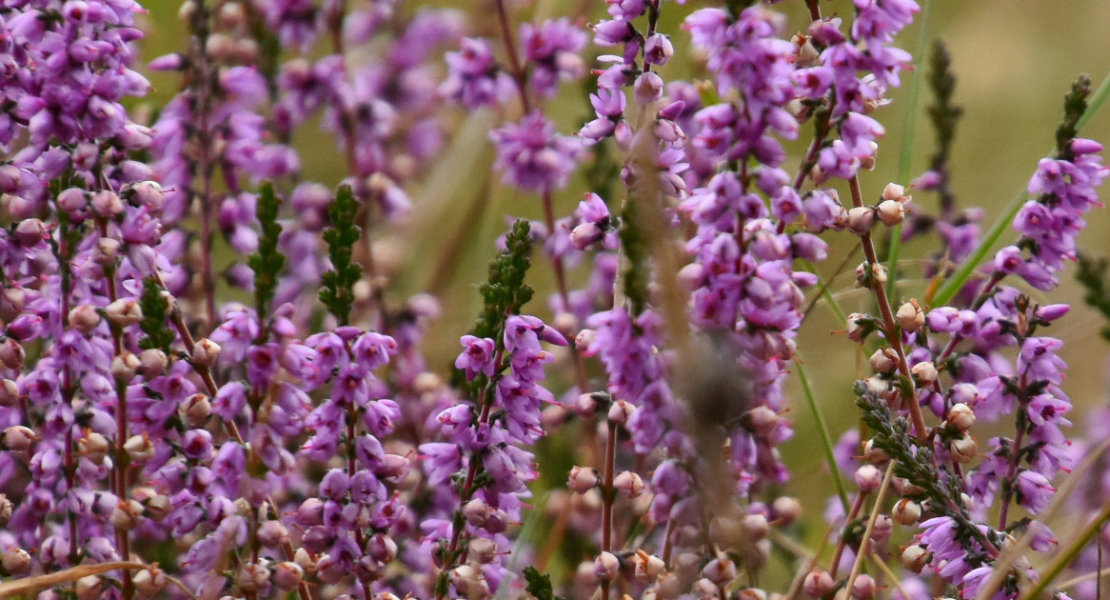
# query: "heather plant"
218,381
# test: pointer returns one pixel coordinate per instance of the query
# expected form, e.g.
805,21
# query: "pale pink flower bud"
123,313
15,561
606,566
860,219
205,352
868,478
961,417
910,317
891,212
139,448
915,557
94,447
785,510
620,412
84,318
893,191
153,362
582,479
818,583
628,483
884,360
288,575
18,438
963,449
721,571
906,512
863,587
924,373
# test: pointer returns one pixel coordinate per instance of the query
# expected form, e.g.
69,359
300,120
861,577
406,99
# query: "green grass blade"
823,430
905,158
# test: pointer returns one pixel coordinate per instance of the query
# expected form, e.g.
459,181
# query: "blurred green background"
1014,60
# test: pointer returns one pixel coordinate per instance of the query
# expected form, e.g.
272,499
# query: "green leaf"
337,285
539,584
267,262
156,308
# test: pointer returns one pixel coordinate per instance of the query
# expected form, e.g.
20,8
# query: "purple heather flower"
477,356
552,49
533,156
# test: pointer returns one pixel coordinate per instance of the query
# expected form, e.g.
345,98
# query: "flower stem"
890,327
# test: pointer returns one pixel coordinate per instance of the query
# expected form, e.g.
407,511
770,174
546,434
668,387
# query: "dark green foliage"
539,584
917,465
1092,276
944,115
267,262
505,292
636,275
1075,104
156,308
337,291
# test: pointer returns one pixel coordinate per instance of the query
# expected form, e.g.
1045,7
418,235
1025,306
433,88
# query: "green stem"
823,431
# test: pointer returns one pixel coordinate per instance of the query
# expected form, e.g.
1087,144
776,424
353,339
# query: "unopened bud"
582,479
469,582
884,360
94,447
107,204
11,303
961,417
924,373
124,366
870,275
915,557
205,352
647,567
123,313
157,507
90,587
288,575
721,571
893,191
16,561
906,512
5,510
891,212
860,219
874,454
197,409
628,483
9,393
868,478
126,514
12,354
84,318
785,510
476,512
303,559
153,362
30,232
606,566
963,449
620,412
761,420
18,438
855,327
272,534
863,587
818,583
251,577
755,526
139,448
910,317
483,550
